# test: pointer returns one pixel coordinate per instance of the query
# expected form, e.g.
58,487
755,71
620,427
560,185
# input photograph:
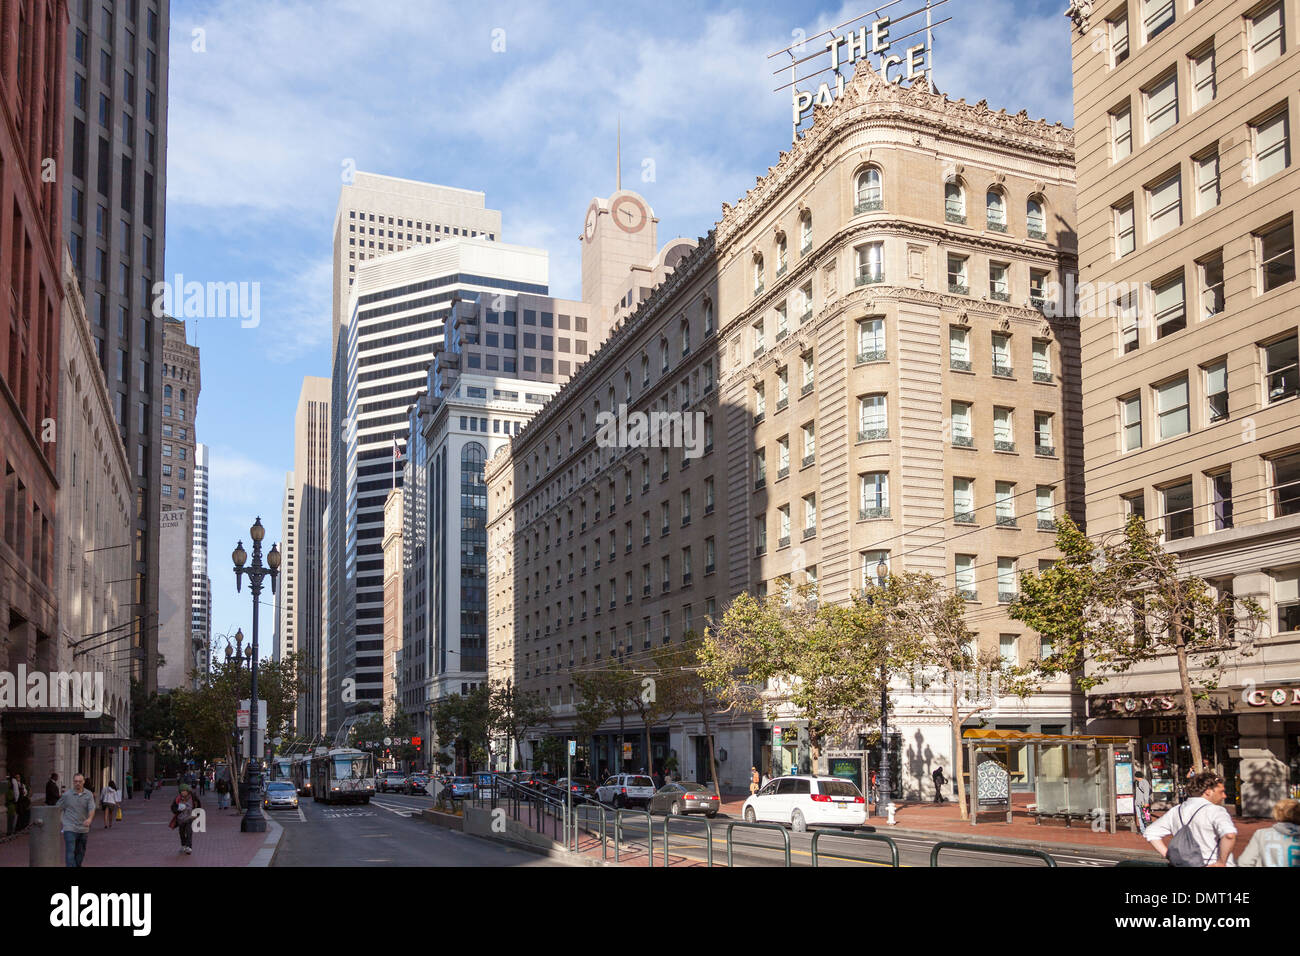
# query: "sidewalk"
944,820
142,838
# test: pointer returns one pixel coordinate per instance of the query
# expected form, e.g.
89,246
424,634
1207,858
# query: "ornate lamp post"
253,821
883,783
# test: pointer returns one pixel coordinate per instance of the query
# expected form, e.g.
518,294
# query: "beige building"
286,604
180,399
94,556
1187,201
303,566
867,343
392,598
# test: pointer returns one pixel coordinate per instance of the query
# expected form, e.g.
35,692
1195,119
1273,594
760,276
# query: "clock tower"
619,237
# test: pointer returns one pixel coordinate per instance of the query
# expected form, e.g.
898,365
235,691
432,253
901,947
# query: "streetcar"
300,774
280,768
343,774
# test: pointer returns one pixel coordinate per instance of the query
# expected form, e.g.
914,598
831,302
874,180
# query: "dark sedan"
684,797
578,786
416,783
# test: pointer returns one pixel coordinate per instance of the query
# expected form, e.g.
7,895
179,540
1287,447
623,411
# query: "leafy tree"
609,691
511,711
551,752
464,720
1109,605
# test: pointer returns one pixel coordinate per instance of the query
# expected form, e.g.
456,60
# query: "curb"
266,855
1081,848
567,856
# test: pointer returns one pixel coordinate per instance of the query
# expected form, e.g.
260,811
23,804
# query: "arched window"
954,203
870,195
708,307
663,351
805,233
1035,221
182,394
758,274
627,381
782,255
686,336
167,391
996,210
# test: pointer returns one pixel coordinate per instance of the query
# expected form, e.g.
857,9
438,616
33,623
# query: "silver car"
280,793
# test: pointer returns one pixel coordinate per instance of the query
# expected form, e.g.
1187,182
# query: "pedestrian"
223,794
939,781
872,794
78,806
1210,833
148,787
109,799
1141,802
12,788
183,808
754,779
130,784
24,805
52,789
1279,845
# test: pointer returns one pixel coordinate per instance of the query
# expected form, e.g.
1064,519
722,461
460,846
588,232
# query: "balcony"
1038,302
1046,524
626,498
782,472
968,594
808,460
645,590
868,205
963,517
1007,521
570,577
667,586
809,533
783,542
958,288
953,215
760,550
959,365
869,277
805,249
645,538
806,390
663,531
807,314
872,434
995,226
1001,444
782,403
963,441
613,603
781,270
708,509
758,289
686,578
1007,597
710,568
759,416
759,350
760,484
1034,233
1001,371
1045,451
611,506
686,520
628,549
782,334
999,296
866,514
1040,376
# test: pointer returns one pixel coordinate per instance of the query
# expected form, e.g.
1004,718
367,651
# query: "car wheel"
675,809
710,813
797,822
750,815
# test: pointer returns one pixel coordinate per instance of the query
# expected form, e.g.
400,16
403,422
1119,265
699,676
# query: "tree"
609,691
923,635
512,711
463,720
818,657
1109,605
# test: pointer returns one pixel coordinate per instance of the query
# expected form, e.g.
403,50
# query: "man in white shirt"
1203,812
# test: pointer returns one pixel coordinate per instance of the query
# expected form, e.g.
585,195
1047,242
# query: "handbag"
172,825
119,811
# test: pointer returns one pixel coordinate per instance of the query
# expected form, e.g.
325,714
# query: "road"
834,847
385,832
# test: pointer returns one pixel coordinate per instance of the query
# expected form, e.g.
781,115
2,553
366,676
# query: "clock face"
591,222
630,214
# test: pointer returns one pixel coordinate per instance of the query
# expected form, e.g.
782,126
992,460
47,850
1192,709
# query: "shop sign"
1277,696
1177,727
1122,706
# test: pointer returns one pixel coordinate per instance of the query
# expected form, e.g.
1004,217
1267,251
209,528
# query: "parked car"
685,796
391,781
626,790
578,786
462,787
804,801
280,793
417,783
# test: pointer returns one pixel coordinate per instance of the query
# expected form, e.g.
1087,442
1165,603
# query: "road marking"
301,815
399,810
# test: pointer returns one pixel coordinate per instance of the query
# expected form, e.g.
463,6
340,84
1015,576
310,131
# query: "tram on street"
300,774
343,775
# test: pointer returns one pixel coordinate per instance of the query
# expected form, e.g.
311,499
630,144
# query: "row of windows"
1264,30
430,228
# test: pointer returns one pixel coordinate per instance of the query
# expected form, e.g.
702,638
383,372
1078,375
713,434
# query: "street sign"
573,747
388,741
241,718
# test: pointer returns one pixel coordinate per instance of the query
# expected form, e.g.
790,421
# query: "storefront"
625,753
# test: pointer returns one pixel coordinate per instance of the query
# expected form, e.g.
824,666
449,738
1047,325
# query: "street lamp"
254,821
883,787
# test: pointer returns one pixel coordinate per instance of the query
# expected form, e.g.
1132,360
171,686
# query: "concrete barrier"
44,839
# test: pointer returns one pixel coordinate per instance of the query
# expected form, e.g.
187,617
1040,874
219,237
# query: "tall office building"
201,584
114,212
286,608
179,445
31,116
1188,199
311,436
392,546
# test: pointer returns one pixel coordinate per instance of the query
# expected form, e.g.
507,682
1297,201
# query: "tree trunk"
649,754
713,760
1189,700
959,758
234,788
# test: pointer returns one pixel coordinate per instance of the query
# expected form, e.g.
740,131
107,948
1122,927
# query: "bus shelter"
1077,776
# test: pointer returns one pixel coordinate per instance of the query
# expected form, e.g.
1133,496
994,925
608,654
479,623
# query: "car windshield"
838,788
352,767
278,785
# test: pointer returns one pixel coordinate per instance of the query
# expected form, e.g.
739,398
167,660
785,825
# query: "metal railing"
988,848
874,837
731,843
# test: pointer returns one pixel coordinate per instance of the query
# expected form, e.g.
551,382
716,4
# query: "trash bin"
44,839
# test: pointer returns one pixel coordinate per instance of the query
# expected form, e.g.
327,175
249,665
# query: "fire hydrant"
890,810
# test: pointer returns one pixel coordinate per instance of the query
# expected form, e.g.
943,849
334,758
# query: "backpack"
1183,849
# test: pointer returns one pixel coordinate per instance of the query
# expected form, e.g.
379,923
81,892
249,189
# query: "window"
1216,391
999,291
760,535
807,373
809,444
760,401
1203,81
782,387
1121,133
758,274
1211,275
957,275
809,514
1035,222
1001,354
805,233
1172,417
873,417
961,425
1272,145
995,211
871,263
1042,358
870,196
1045,507
1169,306
1131,422
1044,444
1006,580
1008,644
1286,485
1157,15
959,348
1221,499
1038,288
1161,100
1164,206
874,486
1267,37
1118,33
964,573
1178,511
783,523
782,456
760,468
1280,373
1207,180
1286,598
954,203
1276,256
963,501
1004,503
871,340
1004,437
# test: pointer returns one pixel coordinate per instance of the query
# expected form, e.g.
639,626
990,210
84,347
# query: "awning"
42,720
1020,736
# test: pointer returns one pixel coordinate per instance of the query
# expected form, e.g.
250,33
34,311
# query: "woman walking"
183,808
109,799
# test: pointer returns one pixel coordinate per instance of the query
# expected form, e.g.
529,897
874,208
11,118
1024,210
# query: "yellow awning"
1020,736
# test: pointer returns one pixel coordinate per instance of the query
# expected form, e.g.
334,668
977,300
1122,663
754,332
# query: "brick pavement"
142,838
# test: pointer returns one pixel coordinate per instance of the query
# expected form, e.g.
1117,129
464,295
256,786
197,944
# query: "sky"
271,102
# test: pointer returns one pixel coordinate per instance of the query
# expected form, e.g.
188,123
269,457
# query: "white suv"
807,801
626,790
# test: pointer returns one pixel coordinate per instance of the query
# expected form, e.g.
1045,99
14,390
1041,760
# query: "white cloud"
237,481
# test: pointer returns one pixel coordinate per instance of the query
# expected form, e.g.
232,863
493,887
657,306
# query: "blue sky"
270,100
